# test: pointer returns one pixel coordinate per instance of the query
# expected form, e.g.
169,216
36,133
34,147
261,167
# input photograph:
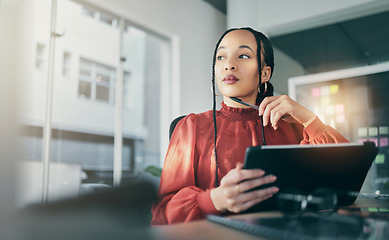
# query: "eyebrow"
242,46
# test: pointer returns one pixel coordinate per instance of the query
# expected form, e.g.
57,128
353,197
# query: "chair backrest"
173,125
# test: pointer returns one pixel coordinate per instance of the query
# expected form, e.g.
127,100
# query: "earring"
217,95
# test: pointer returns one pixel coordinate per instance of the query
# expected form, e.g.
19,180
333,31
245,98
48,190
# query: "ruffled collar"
238,114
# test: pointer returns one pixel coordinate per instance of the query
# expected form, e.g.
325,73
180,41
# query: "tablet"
342,167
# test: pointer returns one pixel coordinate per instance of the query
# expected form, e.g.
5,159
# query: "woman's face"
236,67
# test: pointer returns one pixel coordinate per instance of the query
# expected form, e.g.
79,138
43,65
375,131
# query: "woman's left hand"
283,107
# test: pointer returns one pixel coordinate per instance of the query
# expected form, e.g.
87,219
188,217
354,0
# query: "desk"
204,229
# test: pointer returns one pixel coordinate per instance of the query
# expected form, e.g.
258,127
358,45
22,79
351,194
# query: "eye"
220,57
244,56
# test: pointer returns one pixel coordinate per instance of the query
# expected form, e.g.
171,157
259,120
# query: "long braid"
268,54
214,106
259,54
215,136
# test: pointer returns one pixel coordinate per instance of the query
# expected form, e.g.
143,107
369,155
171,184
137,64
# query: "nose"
230,66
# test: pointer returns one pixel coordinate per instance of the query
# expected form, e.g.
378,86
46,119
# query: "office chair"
173,125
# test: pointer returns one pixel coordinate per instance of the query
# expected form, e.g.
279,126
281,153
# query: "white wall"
8,93
196,26
284,68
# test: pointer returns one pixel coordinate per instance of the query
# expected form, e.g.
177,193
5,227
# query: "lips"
230,79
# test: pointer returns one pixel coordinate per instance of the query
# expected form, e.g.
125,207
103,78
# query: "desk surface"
204,229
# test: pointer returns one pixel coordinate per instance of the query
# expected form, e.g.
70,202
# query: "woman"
203,173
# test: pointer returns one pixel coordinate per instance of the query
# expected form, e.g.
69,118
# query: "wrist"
309,121
217,200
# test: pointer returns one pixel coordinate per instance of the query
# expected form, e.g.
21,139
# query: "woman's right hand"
232,193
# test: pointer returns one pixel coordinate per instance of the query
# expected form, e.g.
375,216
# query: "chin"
231,93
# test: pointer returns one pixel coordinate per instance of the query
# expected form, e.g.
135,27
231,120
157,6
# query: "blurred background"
89,88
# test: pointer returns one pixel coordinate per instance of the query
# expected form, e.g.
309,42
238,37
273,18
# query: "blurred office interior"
89,88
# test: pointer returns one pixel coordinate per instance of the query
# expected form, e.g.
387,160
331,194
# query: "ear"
266,73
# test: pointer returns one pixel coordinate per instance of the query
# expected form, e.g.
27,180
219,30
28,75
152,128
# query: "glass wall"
92,52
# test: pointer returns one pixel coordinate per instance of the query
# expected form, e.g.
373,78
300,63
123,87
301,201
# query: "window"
101,17
85,79
88,12
96,81
84,108
105,83
108,20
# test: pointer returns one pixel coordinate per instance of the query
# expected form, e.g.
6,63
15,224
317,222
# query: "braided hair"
265,49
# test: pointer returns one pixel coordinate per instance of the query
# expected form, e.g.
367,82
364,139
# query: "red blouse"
188,173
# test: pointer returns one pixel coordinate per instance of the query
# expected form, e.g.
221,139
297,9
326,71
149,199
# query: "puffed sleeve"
179,199
319,133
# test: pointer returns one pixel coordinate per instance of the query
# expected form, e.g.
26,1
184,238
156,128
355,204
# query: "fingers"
242,187
233,193
246,205
238,175
264,104
270,110
247,200
283,107
276,114
247,185
239,166
278,107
